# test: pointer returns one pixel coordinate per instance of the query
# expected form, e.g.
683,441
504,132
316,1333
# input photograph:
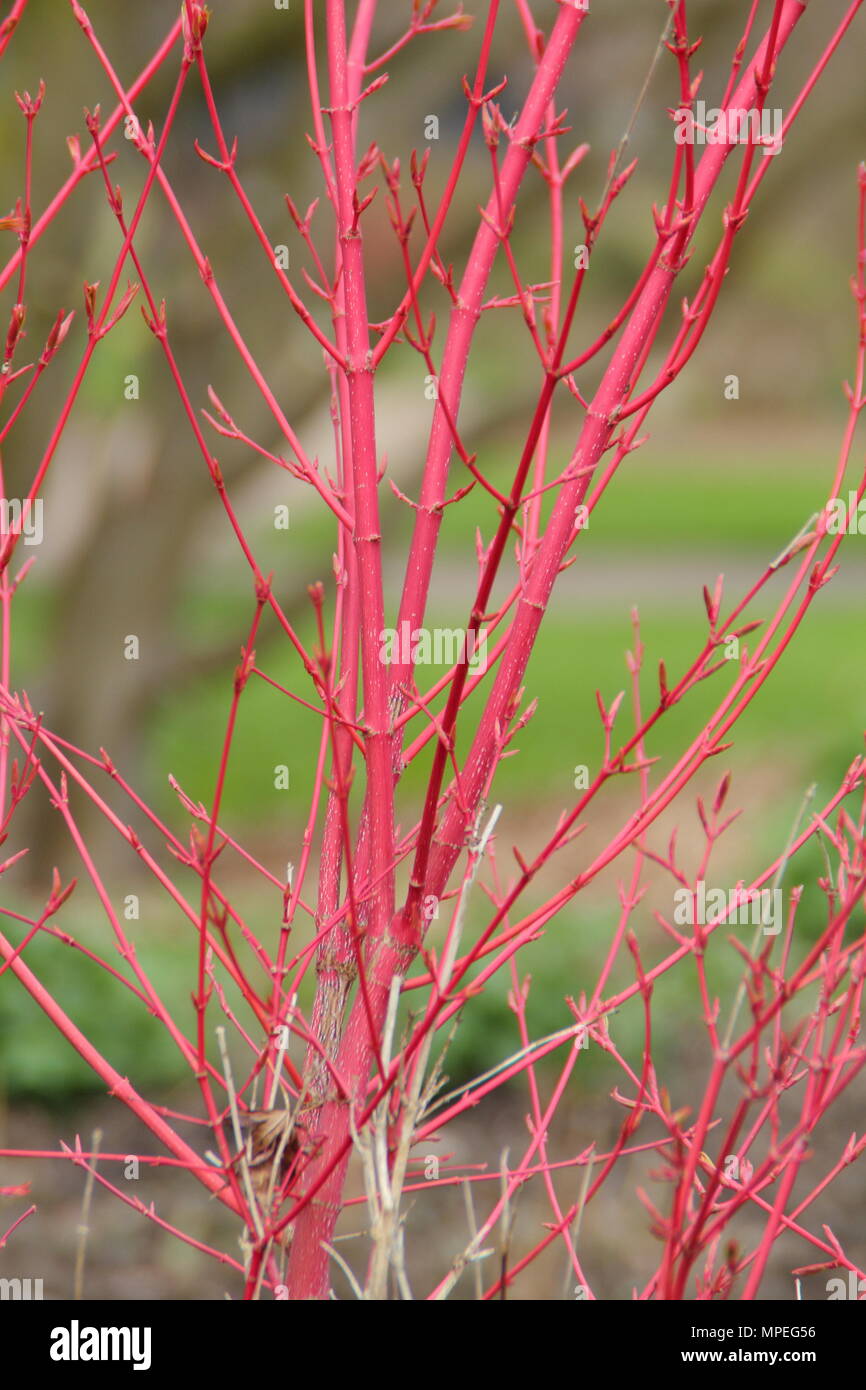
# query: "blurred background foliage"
136,541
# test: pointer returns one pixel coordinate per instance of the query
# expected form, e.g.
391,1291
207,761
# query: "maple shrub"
327,993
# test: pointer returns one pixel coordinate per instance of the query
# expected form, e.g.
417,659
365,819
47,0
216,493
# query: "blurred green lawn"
812,711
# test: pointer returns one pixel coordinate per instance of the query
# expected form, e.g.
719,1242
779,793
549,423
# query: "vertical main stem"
308,1273
464,320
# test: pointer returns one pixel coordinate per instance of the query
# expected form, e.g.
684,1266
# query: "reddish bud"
59,330
723,789
16,323
90,300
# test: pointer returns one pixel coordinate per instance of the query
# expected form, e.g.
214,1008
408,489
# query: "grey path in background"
616,581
